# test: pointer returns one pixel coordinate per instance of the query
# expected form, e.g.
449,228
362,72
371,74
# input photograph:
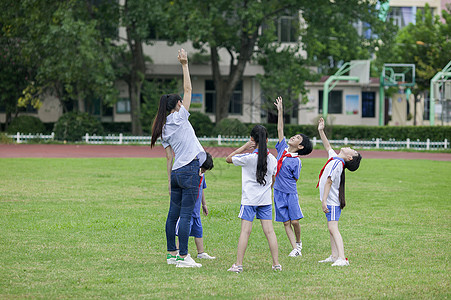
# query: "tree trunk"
137,74
226,85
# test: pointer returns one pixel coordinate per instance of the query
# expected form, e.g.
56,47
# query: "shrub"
26,124
202,124
231,127
74,125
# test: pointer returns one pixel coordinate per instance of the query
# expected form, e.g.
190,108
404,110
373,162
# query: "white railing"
121,139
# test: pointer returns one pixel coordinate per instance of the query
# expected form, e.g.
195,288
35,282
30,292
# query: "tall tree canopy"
427,44
236,25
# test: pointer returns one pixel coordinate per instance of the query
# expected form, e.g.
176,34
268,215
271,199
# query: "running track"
86,151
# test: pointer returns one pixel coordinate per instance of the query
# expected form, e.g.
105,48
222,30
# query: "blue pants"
184,191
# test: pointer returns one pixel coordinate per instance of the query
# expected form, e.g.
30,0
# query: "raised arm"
187,88
279,106
250,145
323,135
169,158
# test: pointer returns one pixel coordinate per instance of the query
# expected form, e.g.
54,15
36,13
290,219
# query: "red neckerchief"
322,170
280,161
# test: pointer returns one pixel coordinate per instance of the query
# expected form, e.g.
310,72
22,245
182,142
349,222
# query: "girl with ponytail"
258,170
177,135
332,193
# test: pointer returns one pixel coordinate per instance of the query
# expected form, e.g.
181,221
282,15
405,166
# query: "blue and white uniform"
333,169
255,198
286,199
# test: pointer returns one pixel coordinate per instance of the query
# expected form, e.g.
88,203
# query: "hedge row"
338,132
77,125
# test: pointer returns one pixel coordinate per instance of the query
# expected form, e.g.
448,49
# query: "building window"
335,102
368,104
427,103
123,106
236,101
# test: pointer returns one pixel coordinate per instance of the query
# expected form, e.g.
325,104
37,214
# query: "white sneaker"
205,255
187,262
295,252
330,259
299,246
340,262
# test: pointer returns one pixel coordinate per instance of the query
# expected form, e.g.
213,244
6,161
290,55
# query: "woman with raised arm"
177,134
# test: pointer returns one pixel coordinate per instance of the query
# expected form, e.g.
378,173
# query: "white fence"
121,139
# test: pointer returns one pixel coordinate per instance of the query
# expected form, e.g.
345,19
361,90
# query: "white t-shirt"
252,192
333,170
179,134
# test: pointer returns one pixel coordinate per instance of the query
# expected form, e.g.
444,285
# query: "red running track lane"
87,151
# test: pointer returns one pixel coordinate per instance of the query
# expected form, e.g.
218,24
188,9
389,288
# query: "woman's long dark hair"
167,103
351,165
260,134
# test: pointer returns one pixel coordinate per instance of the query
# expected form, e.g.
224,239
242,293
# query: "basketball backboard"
402,75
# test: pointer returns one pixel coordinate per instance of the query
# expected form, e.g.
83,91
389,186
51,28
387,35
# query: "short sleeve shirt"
290,171
179,134
252,192
333,170
202,186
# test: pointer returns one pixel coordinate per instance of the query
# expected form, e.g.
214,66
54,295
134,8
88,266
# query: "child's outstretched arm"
187,88
279,106
323,135
250,145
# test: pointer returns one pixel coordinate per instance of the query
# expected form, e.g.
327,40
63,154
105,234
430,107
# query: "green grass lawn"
95,228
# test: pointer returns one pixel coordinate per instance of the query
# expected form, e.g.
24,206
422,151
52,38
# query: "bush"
74,125
202,124
231,127
26,124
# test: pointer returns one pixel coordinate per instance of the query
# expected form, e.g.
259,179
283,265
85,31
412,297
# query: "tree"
427,44
236,26
65,50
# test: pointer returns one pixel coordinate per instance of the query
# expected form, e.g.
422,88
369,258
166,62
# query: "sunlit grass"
94,228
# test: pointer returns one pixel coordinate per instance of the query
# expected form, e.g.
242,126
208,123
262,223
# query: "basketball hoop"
401,87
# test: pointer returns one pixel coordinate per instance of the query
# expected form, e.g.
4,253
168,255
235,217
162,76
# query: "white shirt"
252,192
333,170
179,134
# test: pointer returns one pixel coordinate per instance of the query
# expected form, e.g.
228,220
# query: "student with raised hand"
177,134
332,193
258,170
286,198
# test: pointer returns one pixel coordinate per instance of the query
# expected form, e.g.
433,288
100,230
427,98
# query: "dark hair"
167,103
351,165
208,163
260,134
308,147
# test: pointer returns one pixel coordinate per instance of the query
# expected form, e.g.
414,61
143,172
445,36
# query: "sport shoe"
330,259
340,262
171,259
236,269
187,262
205,255
295,252
299,246
277,268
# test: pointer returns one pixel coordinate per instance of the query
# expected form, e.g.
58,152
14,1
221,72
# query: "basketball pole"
442,75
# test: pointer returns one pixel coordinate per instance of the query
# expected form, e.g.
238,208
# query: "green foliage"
427,44
231,127
26,124
74,125
4,139
201,123
152,91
